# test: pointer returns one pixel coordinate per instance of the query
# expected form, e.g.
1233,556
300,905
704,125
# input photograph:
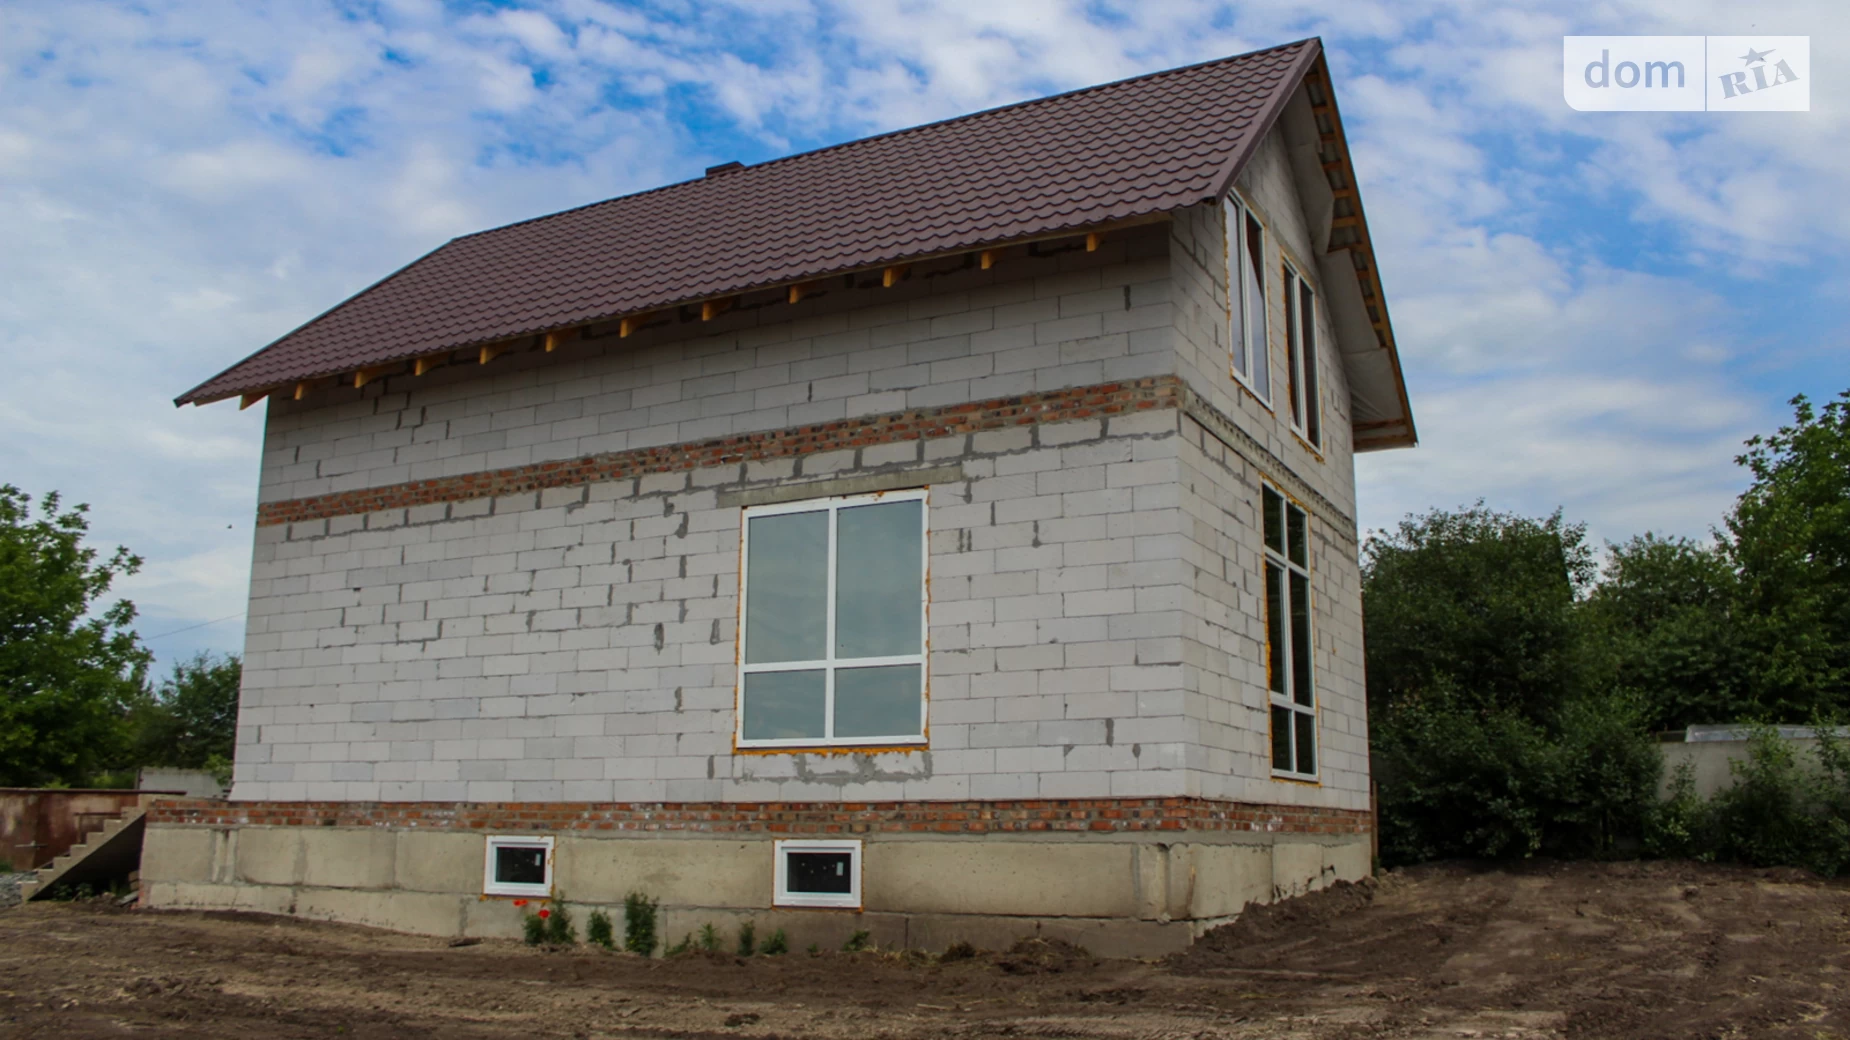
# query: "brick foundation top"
1082,815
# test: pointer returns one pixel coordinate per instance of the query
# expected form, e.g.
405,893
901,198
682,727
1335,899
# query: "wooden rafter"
428,362
252,398
491,352
988,258
367,375
892,275
1092,241
714,308
557,337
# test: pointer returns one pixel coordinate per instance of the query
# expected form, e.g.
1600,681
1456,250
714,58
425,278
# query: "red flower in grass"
520,902
545,914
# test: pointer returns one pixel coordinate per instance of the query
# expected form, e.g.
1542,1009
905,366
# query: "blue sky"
1594,309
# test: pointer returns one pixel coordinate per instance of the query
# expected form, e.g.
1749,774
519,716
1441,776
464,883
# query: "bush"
1777,813
598,931
776,944
709,938
857,942
1461,779
559,930
533,929
639,914
748,939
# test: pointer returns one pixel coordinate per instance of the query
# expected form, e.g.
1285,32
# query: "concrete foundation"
1118,895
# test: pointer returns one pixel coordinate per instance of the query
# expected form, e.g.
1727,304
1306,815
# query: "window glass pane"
786,587
1295,521
1301,687
819,873
879,598
1307,742
1313,418
783,705
878,702
520,865
1293,360
1236,287
1275,627
1272,504
1255,308
1281,738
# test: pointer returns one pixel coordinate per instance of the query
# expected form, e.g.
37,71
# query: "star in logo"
1754,57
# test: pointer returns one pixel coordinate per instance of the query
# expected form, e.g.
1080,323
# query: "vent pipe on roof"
714,171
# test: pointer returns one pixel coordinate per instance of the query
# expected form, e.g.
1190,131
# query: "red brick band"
1097,814
1085,402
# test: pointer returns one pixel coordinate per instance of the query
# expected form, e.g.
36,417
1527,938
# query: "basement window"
818,873
1288,637
518,866
1245,264
832,626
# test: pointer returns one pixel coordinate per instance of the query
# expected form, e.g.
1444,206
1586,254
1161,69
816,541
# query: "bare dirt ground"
1619,950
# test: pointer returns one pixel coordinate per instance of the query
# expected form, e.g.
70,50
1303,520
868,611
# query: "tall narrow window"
1245,241
1289,671
832,629
1313,405
1301,357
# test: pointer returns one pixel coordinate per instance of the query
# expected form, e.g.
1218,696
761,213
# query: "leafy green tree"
1665,613
69,671
191,721
1476,603
1791,544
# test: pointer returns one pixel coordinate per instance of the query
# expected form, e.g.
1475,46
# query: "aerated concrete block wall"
577,643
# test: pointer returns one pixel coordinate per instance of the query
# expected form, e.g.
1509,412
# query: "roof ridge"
966,117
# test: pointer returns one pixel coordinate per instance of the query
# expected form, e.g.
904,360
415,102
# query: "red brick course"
1086,402
1091,814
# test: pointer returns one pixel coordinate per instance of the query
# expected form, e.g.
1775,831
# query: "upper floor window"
1301,357
832,628
1245,239
1288,636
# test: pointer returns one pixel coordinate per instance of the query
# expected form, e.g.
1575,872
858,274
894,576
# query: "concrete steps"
111,853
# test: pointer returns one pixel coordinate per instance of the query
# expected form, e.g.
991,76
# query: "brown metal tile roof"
1128,149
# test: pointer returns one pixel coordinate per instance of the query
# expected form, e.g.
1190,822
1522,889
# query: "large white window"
1288,636
1301,357
1245,242
832,630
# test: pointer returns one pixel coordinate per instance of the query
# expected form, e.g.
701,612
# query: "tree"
191,721
1791,544
1665,613
68,672
1478,603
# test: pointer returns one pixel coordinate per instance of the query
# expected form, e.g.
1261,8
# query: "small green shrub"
686,945
814,950
6,866
533,929
776,944
748,939
598,931
639,918
857,942
709,938
1778,812
559,929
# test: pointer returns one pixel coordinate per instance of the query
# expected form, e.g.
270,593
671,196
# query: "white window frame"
1300,357
508,888
781,894
1287,698
829,664
1244,353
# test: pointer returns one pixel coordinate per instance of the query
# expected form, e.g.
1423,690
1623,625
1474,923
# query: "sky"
1593,309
